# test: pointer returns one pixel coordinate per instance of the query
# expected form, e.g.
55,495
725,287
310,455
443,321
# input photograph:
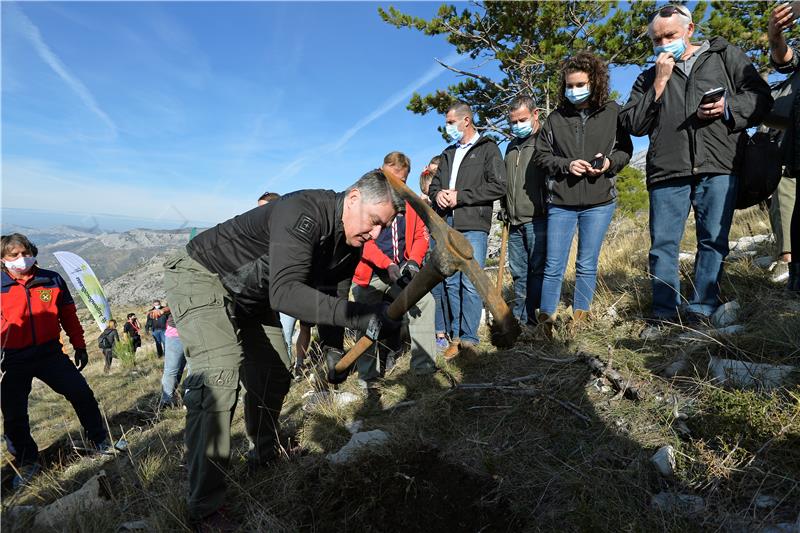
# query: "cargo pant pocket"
212,390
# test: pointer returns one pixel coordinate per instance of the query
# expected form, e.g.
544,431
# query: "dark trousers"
795,237
108,355
48,363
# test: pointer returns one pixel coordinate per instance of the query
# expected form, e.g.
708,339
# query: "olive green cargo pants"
220,352
780,214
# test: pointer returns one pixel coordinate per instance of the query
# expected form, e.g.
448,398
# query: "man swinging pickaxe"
452,253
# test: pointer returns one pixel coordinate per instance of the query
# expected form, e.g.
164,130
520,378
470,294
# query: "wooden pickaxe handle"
453,253
420,285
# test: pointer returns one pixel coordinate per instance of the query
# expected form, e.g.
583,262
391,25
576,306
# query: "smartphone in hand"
598,162
714,95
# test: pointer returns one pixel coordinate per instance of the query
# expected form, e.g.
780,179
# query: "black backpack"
760,169
104,341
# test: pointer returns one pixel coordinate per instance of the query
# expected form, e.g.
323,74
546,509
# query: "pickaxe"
453,253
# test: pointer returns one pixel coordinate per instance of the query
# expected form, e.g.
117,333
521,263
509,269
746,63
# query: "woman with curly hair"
581,148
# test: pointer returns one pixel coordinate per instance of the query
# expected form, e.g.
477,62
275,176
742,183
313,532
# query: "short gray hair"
461,109
679,12
375,189
522,100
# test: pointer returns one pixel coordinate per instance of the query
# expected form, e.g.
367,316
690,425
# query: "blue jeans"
592,224
174,363
158,336
526,257
713,198
443,317
465,303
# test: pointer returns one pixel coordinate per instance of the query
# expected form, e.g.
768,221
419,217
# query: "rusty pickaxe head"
453,253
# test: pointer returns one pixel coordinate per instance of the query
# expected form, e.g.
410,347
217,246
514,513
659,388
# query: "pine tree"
528,42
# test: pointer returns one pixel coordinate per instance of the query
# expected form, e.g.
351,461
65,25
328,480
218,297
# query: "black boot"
794,277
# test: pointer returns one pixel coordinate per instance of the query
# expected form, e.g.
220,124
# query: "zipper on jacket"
584,120
30,315
514,186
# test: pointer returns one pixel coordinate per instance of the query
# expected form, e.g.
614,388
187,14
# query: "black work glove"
81,358
394,272
377,324
502,216
409,269
332,357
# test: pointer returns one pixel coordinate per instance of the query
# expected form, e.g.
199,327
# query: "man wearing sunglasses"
694,104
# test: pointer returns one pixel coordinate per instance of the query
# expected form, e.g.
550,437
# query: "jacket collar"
717,44
569,110
37,279
482,139
338,212
517,144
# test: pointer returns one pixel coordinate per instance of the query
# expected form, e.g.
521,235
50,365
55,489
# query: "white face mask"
157,306
21,264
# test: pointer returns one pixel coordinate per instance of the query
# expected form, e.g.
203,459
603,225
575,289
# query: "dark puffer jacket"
791,138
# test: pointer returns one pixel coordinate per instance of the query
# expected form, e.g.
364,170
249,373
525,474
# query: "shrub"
123,350
631,191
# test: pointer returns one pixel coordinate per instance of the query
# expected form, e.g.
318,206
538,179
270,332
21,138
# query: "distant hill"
140,285
639,160
109,254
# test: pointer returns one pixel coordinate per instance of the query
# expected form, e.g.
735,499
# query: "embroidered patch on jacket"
46,295
305,226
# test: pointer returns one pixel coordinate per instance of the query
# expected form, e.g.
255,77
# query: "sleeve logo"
305,225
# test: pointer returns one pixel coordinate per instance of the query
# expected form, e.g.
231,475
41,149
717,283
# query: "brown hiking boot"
452,350
546,324
461,349
579,318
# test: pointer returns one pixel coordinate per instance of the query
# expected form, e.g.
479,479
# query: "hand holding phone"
714,95
598,162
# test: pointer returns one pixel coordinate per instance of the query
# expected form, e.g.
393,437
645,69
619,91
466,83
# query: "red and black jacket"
34,312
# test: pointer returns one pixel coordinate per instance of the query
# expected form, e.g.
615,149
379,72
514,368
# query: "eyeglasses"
668,11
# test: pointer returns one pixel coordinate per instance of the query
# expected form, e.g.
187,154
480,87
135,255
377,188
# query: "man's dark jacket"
289,256
154,324
524,199
790,144
481,181
681,144
566,136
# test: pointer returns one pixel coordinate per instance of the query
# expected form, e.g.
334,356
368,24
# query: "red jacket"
372,257
33,313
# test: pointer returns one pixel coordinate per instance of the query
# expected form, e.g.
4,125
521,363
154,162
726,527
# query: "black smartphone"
712,96
598,162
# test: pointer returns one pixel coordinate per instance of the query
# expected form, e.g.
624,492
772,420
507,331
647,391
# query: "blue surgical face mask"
578,94
453,132
521,129
676,48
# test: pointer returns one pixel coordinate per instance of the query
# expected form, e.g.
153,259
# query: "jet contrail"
298,163
32,33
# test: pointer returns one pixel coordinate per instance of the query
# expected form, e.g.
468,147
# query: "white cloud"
32,33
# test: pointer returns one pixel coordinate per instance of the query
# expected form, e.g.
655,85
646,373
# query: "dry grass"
489,460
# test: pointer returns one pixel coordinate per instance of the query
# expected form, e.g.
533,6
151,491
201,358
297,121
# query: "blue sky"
171,112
